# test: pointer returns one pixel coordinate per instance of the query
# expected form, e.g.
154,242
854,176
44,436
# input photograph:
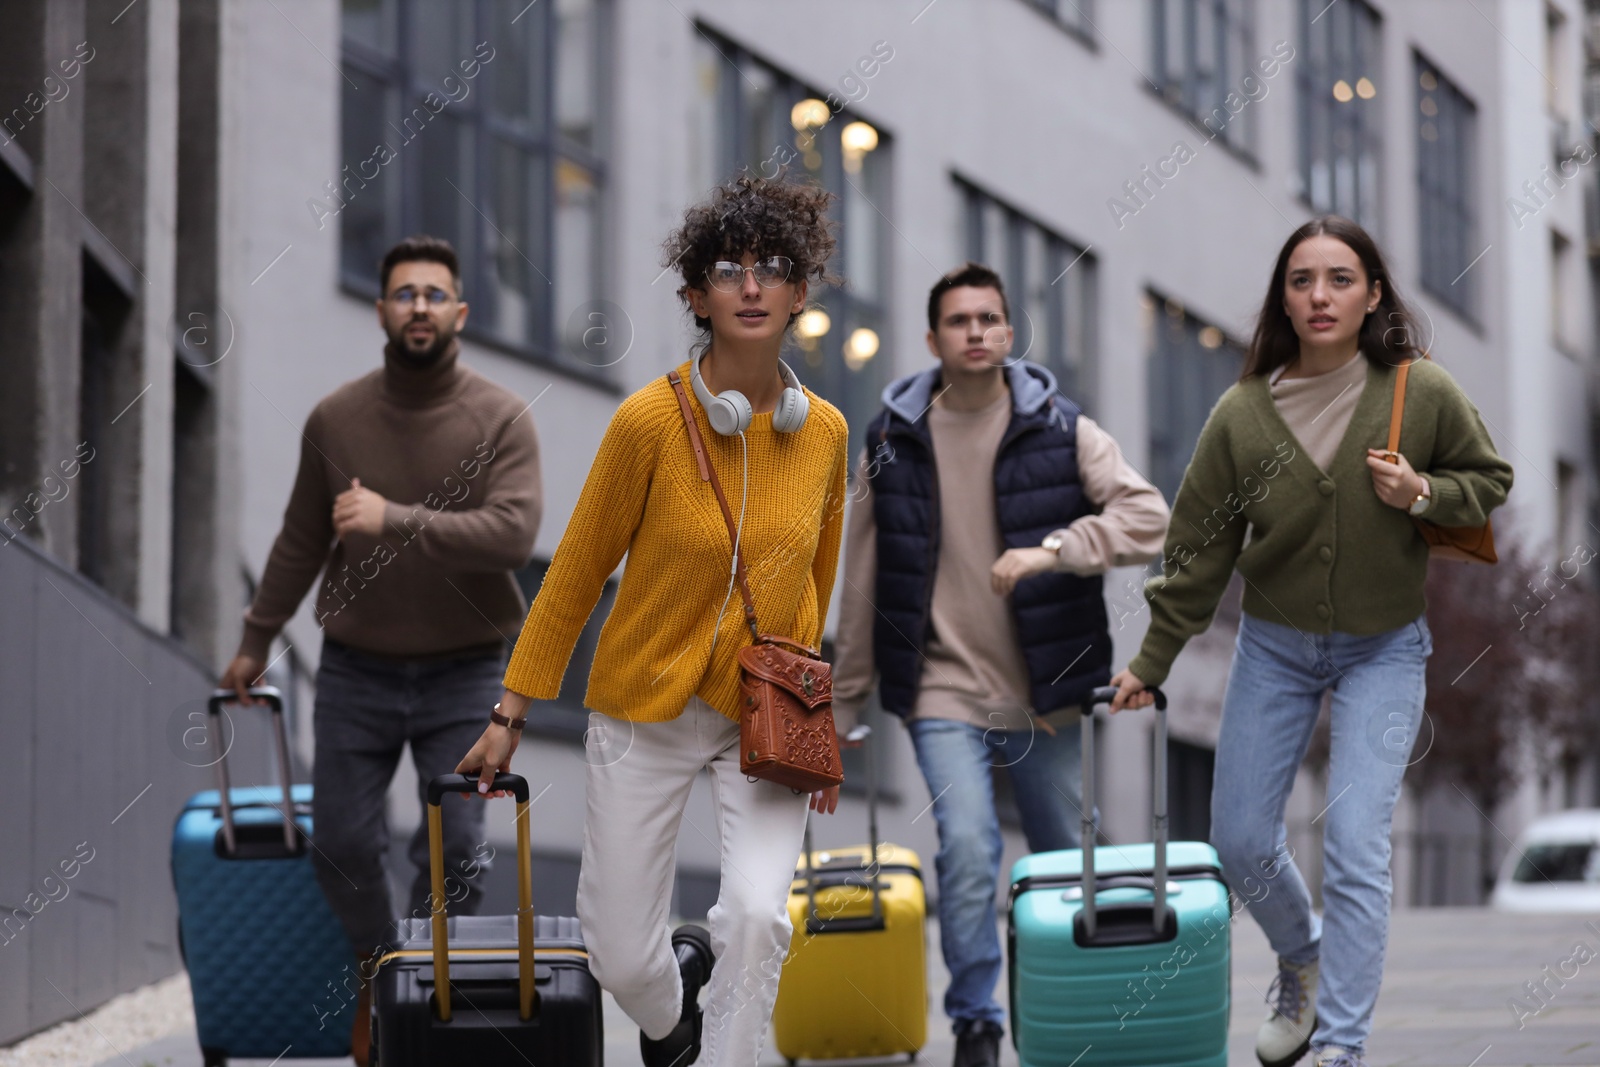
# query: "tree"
1563,636
1511,676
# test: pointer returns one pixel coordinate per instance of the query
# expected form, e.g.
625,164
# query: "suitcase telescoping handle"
1158,809
527,996
274,701
815,923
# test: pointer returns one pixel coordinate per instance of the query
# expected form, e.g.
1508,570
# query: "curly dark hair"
756,215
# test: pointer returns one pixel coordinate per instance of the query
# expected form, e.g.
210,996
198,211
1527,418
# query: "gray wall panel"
83,731
18,584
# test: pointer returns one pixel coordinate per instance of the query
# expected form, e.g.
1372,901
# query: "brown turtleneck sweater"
457,458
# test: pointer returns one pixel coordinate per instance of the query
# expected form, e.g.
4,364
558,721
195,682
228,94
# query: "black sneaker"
978,1045
692,945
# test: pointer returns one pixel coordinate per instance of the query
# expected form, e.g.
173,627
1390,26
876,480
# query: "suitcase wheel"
213,1057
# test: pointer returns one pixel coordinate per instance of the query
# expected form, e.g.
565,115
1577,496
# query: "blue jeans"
1275,688
1046,776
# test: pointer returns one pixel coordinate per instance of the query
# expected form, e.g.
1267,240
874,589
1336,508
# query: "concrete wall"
93,772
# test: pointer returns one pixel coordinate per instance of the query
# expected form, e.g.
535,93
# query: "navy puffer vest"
1061,618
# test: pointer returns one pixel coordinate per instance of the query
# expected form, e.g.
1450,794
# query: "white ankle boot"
1286,1035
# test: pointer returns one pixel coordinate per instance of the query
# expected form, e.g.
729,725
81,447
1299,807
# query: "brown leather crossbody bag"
786,732
1464,544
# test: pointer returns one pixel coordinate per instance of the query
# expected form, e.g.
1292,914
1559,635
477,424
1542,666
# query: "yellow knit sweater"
644,497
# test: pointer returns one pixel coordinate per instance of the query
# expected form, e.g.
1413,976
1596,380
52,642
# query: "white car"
1555,866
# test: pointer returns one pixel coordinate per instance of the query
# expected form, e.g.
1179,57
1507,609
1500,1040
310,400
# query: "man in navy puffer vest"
985,509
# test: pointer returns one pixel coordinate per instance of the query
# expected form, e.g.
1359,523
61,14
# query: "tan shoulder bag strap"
708,473
1397,410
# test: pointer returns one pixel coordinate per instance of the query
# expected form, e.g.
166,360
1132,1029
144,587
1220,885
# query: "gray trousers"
368,709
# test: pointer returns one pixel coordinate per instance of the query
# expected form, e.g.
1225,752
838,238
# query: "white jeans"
639,777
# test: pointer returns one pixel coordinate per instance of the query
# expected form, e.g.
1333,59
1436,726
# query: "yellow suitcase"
854,983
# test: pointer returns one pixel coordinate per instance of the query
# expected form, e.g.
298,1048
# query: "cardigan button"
1326,487
1326,554
1324,612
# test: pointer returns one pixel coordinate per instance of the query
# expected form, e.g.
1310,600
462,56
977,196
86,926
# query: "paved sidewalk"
1450,976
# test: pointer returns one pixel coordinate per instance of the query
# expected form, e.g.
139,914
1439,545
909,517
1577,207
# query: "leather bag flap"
810,681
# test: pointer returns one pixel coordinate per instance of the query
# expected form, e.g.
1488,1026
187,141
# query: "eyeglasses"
407,297
770,273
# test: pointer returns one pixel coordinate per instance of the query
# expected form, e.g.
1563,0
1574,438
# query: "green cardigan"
1325,554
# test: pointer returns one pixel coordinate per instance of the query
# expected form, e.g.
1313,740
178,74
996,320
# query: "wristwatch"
1051,543
1424,498
505,720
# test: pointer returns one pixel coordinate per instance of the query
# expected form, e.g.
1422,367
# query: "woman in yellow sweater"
664,688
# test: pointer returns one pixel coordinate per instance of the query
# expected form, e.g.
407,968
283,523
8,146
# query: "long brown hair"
1388,334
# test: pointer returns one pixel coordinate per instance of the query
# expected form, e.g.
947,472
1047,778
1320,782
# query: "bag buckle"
806,684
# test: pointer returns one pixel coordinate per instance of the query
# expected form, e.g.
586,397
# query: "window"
1050,286
105,366
1191,365
1566,297
1571,507
1075,16
479,121
1337,75
758,119
1446,152
1577,861
1202,52
1556,85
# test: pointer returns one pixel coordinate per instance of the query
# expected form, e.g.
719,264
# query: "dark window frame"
1080,381
1080,27
1171,443
823,367
1447,189
1182,89
542,149
1359,121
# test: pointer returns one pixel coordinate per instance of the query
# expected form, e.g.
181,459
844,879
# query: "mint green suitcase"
1119,955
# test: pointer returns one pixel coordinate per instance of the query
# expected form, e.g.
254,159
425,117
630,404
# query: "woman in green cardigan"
1333,568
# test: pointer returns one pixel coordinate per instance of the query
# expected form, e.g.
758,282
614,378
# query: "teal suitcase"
271,971
1119,955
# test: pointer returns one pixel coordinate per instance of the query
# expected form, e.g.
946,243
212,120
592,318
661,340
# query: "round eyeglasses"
407,296
770,273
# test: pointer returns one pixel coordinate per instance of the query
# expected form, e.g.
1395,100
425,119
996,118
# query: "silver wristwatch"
1051,543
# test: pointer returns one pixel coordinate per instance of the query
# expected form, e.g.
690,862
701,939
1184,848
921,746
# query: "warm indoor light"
862,346
1210,337
858,137
813,323
809,114
1365,89
1342,91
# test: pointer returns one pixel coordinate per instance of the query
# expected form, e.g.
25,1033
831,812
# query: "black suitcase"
490,989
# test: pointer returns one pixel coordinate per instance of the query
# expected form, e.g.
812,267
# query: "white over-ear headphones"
730,413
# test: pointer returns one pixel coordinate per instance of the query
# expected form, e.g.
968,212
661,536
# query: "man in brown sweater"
986,508
418,494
